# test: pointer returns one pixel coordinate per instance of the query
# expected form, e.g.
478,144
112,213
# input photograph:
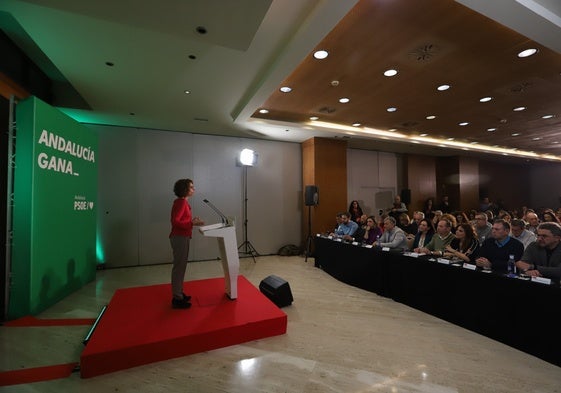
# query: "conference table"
520,313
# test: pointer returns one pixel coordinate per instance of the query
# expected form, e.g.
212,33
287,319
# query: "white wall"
371,179
137,170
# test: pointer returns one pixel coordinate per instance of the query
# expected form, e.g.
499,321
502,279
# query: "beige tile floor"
339,339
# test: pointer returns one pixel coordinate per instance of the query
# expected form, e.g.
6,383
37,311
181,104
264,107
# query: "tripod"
310,239
246,247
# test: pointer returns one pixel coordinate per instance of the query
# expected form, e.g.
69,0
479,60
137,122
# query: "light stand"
246,247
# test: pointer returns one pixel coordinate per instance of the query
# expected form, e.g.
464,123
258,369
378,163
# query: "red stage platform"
140,327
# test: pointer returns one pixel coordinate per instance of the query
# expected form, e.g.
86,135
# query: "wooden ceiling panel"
430,43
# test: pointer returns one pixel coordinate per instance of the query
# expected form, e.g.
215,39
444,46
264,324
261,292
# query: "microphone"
220,214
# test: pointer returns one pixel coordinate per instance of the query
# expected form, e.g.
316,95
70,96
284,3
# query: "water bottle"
511,267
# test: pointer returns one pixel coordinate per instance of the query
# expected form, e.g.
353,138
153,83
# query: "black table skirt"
522,314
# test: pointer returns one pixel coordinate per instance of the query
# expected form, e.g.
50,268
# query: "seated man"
397,208
439,241
393,236
543,257
519,232
533,222
495,251
482,227
346,228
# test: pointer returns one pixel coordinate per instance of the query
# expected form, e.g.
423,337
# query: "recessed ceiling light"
464,123
390,72
515,134
344,100
392,130
537,138
356,124
431,117
547,116
423,134
528,52
491,129
263,111
285,89
314,118
519,108
391,109
443,87
321,54
485,99
187,92
449,139
474,143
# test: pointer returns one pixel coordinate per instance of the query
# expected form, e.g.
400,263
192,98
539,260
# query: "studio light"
247,157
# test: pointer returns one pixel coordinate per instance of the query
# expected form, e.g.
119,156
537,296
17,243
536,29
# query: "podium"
226,236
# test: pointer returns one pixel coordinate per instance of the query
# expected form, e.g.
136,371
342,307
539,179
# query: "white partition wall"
137,169
372,179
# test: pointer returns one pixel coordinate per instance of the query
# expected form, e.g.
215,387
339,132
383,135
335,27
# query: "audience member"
397,208
549,216
424,234
519,232
462,218
445,205
533,222
393,236
464,246
437,215
346,228
495,251
451,218
418,216
410,228
439,241
428,209
361,230
482,227
543,257
355,211
485,205
372,231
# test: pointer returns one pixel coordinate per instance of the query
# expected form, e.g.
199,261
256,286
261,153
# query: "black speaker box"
406,196
277,290
311,195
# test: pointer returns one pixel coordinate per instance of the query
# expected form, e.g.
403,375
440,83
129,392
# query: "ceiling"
130,64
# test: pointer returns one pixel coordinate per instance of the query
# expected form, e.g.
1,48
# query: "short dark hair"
181,187
505,224
552,227
518,223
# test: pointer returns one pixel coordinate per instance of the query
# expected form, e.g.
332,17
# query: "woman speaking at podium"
182,223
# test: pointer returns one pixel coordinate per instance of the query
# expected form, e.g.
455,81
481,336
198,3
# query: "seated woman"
424,234
372,231
464,246
356,211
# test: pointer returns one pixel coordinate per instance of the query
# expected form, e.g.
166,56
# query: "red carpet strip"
37,374
30,321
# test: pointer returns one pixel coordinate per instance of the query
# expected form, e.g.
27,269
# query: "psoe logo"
81,204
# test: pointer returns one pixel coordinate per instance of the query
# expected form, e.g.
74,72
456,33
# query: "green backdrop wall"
55,192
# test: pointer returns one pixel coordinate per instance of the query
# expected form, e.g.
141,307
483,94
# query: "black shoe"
180,303
186,297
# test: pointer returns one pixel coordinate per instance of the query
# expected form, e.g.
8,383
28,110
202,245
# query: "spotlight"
247,157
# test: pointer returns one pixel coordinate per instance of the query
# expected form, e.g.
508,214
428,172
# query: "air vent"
409,124
326,109
521,88
424,52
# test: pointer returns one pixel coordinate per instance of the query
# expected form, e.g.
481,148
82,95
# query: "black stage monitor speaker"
312,195
277,290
